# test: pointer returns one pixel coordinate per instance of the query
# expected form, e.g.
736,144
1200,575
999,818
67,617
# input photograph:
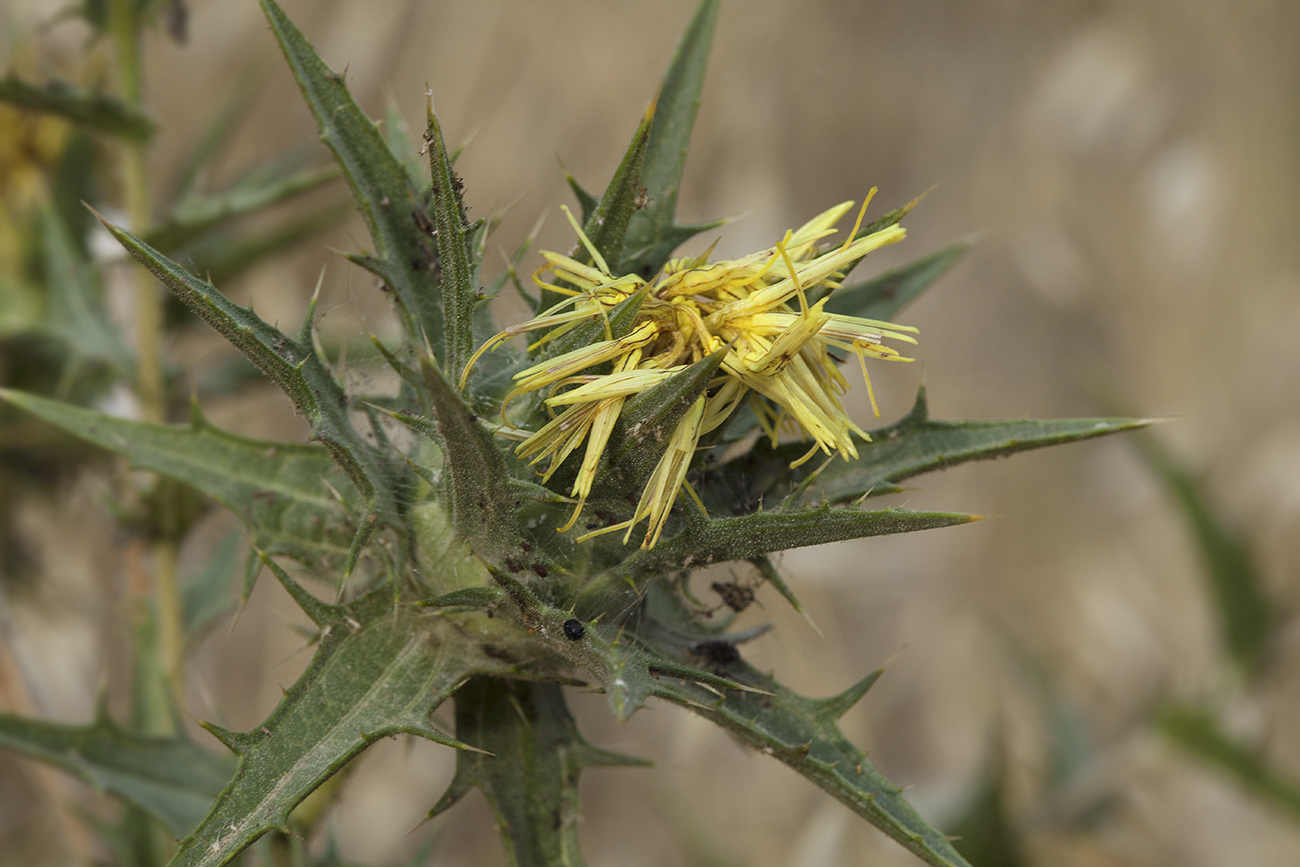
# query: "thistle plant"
522,515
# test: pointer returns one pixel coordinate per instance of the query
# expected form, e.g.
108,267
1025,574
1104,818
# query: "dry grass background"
1131,170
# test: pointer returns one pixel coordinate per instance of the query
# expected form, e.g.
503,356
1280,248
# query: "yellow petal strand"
778,354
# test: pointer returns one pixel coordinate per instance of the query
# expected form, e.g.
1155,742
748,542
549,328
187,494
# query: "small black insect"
717,652
574,630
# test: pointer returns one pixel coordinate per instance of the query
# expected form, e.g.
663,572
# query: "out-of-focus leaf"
211,591
233,109
170,778
222,255
75,313
1196,732
197,213
915,444
653,232
1246,617
285,493
94,111
984,834
397,135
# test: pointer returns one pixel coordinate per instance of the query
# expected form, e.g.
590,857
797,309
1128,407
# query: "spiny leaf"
285,493
627,671
915,444
800,732
170,778
466,597
703,542
720,540
606,225
392,209
529,768
198,214
836,706
586,201
605,221
481,500
93,111
291,364
647,423
772,576
376,673
882,297
653,232
456,263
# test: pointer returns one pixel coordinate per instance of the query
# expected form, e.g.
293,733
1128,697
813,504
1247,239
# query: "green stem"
530,770
125,28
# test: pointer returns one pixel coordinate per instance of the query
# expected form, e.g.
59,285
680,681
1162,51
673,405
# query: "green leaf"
93,111
586,201
530,761
915,444
883,296
653,232
394,212
285,493
605,222
1246,617
456,263
481,501
720,540
803,733
645,426
704,542
377,672
291,364
197,214
1196,732
606,225
170,778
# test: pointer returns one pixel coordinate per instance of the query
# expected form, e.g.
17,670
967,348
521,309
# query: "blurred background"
1130,173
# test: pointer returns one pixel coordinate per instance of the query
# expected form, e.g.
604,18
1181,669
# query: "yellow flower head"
777,353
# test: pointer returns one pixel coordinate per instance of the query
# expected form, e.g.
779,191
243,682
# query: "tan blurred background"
1131,170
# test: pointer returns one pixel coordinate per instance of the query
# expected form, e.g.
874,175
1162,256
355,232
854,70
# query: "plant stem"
125,28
